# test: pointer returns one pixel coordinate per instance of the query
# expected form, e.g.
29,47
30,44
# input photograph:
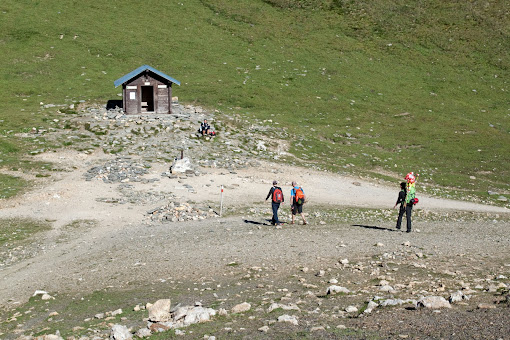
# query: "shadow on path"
373,227
255,222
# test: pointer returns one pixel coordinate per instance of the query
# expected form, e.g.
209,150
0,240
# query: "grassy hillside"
383,87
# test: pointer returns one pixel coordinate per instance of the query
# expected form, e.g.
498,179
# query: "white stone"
39,292
241,308
351,309
47,297
337,289
386,288
116,312
458,296
264,329
143,332
288,318
160,310
371,306
198,314
333,281
261,146
120,332
433,302
181,165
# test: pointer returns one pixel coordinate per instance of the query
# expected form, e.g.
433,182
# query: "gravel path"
102,235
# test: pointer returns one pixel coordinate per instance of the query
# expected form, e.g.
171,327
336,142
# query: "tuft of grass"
11,186
18,231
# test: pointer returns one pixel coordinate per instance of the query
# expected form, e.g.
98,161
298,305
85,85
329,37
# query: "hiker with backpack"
297,198
411,199
276,195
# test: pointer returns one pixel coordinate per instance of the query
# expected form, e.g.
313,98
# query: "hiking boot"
304,223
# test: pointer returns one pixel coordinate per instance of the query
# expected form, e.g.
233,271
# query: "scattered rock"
47,297
181,166
143,333
370,307
160,310
458,296
120,332
337,289
288,318
433,302
485,306
351,309
264,329
241,308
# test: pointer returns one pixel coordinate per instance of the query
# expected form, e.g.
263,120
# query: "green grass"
18,231
387,86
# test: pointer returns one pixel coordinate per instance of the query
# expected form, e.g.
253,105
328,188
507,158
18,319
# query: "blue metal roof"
141,69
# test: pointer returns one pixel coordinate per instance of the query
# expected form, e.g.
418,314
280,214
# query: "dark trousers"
401,212
409,211
275,207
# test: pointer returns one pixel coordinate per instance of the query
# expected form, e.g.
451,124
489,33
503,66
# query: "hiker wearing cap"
276,195
297,199
410,198
401,200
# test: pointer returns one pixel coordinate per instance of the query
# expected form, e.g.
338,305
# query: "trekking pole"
221,200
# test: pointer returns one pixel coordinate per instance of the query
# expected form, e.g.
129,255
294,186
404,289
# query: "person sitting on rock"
204,128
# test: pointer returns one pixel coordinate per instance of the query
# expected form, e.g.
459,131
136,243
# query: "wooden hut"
146,90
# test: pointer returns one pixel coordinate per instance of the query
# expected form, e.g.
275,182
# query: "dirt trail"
117,243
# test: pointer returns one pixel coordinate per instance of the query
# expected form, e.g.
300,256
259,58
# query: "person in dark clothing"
276,195
401,200
204,128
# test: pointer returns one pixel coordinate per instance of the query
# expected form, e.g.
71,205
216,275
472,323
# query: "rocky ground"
134,250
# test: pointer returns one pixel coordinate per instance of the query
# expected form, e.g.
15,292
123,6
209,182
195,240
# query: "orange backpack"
299,196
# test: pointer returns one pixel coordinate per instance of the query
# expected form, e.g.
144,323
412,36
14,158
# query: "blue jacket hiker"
277,198
297,199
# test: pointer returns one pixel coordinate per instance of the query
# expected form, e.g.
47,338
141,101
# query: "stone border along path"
124,210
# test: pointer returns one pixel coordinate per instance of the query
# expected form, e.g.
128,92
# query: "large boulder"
160,311
181,165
